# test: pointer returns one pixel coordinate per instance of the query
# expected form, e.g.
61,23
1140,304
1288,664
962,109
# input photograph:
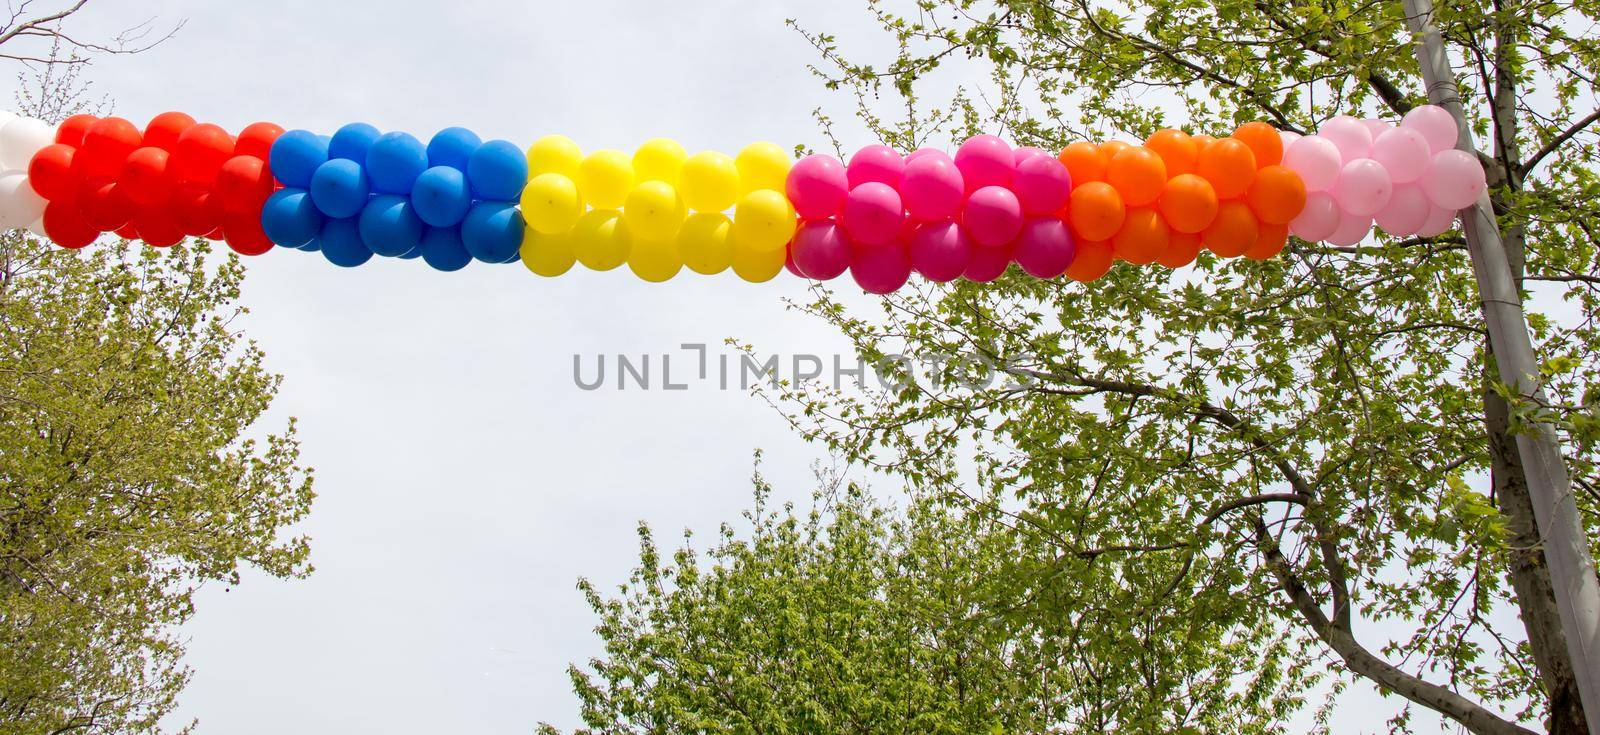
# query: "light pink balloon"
880,269
1318,219
1404,152
1317,161
988,264
1363,187
1376,127
992,216
872,213
1455,180
932,188
878,163
1041,184
820,249
817,186
1440,220
1288,137
1407,210
1044,248
985,160
1349,135
940,251
1351,230
1436,125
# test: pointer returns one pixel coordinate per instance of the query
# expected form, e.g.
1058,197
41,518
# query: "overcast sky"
464,481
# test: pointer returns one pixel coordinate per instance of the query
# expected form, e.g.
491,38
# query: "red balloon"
200,153
243,184
216,235
107,143
50,172
256,140
244,235
144,176
72,129
127,232
157,228
164,129
195,212
106,208
65,226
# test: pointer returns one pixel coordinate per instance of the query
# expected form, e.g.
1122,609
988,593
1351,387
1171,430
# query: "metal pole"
1566,549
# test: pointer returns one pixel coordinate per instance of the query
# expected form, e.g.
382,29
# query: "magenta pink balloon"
1317,161
1351,230
1436,125
1440,220
1407,210
1318,219
1041,184
932,188
878,163
1363,187
940,251
988,264
1352,138
920,152
1045,247
1026,152
1455,180
985,160
817,186
872,213
821,249
881,269
1404,153
992,216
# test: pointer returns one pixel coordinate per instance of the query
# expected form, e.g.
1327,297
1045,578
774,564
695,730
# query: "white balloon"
20,139
6,116
37,227
20,205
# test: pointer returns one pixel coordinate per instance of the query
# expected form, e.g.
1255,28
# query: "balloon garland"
881,215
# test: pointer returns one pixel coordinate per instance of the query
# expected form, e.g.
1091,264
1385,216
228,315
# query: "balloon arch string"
882,216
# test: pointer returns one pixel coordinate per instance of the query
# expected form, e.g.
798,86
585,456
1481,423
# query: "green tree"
129,475
1317,442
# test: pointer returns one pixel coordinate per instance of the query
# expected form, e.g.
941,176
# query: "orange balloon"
1270,242
1084,162
1182,249
1112,147
1234,230
1201,141
1095,211
1138,174
1229,165
1188,202
1091,262
1263,140
1176,148
1278,195
1143,236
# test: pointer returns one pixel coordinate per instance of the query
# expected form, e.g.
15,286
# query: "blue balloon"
442,249
441,196
453,147
498,171
340,187
394,162
314,245
342,245
492,231
295,156
289,218
389,226
352,142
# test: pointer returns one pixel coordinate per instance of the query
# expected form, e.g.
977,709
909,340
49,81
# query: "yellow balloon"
654,211
762,166
600,240
547,255
659,159
604,178
710,182
756,266
704,242
655,260
763,220
554,154
550,203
